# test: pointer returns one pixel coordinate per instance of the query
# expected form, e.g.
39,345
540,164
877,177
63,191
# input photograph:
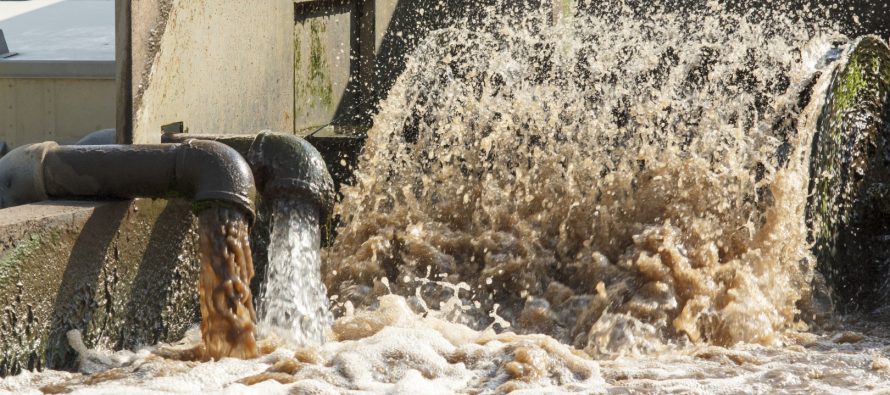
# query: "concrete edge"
58,69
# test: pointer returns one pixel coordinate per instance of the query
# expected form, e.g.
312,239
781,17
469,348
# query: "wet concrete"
122,272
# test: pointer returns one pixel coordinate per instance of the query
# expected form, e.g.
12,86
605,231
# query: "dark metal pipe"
198,170
282,164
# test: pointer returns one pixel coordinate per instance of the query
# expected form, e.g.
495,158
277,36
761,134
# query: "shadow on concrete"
75,304
158,279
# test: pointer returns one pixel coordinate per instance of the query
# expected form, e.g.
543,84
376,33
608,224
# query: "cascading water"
646,169
612,203
227,314
294,302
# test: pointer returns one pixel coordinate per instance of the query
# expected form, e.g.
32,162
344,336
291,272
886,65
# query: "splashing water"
649,167
294,304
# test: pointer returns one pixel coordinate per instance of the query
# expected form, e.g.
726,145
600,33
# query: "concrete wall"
63,110
124,273
60,85
216,66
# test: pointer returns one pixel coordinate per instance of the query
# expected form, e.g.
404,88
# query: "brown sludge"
227,314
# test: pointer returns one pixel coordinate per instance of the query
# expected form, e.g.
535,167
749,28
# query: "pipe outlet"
289,165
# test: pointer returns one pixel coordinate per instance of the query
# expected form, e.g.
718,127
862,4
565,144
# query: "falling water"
642,173
227,314
294,301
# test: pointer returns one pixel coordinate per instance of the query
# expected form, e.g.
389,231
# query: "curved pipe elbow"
210,171
282,164
198,170
286,165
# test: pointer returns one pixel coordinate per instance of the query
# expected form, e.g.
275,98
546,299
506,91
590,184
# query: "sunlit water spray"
294,302
651,167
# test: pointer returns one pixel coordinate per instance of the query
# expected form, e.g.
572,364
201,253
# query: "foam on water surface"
394,350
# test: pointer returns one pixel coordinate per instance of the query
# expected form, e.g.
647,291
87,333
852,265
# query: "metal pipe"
198,170
99,137
282,164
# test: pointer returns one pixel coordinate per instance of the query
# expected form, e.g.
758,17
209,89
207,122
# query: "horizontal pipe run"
201,171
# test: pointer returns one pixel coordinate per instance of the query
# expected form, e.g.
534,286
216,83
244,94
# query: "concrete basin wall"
124,273
215,66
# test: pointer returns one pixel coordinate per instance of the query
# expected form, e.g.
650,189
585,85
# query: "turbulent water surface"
614,201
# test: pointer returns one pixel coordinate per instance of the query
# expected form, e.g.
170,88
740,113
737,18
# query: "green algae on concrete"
850,179
11,260
313,87
323,64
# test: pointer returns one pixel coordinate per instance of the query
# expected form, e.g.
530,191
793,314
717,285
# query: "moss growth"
11,261
313,87
319,80
851,82
849,176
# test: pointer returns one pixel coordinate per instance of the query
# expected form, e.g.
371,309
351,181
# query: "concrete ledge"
58,69
122,272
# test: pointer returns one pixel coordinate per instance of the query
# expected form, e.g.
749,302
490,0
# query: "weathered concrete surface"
216,66
124,273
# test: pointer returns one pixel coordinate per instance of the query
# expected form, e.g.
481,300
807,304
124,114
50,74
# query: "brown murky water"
645,174
227,314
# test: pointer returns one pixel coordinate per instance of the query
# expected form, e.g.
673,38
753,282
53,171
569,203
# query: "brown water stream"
227,314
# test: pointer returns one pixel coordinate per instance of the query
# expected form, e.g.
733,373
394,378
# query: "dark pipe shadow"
158,277
260,234
75,303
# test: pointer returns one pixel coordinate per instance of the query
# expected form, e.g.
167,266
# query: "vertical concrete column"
124,61
215,66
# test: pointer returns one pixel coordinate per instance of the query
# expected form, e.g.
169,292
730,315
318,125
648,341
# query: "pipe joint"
282,164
